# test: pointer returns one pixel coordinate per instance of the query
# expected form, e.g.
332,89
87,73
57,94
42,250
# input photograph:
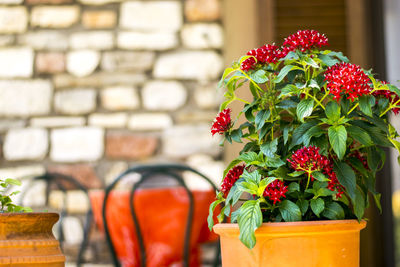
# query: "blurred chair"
60,183
146,205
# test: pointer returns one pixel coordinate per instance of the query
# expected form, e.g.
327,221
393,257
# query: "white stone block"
202,35
54,16
208,96
149,121
108,120
54,122
154,15
100,40
35,194
25,98
11,2
127,61
163,95
44,40
77,144
6,40
82,62
184,140
7,124
16,62
200,65
147,40
26,144
73,230
23,171
120,98
13,19
75,102
98,2
207,166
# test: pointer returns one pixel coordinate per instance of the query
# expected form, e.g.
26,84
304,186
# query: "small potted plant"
313,138
26,237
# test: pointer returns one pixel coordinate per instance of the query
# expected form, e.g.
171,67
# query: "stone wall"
89,87
99,82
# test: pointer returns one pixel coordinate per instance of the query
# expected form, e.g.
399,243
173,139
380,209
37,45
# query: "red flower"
347,79
304,40
230,179
391,96
308,159
222,122
275,191
360,157
264,54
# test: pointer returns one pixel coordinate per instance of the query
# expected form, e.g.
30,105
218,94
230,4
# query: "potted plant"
313,138
26,237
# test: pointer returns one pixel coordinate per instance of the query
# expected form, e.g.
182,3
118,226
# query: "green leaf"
210,218
329,61
337,138
249,157
275,162
359,135
253,176
293,187
317,206
259,76
304,108
227,71
375,158
235,215
237,135
290,211
13,182
332,111
269,148
234,194
366,103
298,133
359,204
249,219
333,211
296,173
261,117
319,176
314,131
284,71
309,61
303,204
346,177
289,89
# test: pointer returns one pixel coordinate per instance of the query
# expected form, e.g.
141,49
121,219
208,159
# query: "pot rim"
312,226
29,214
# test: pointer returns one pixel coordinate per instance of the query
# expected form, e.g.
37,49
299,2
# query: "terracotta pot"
26,239
308,244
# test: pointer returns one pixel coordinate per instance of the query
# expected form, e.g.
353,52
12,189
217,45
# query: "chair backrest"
146,172
58,181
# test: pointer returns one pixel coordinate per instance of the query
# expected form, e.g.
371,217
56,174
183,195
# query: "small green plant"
6,204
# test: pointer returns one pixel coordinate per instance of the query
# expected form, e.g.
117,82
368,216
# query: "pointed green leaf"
333,211
261,117
249,219
210,218
269,148
303,204
359,135
337,138
259,76
290,211
346,177
332,111
317,206
304,108
366,103
284,71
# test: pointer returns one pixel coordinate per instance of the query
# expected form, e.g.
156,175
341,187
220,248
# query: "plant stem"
390,107
353,108
309,178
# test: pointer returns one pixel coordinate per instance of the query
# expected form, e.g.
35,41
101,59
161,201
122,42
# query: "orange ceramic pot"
294,244
26,239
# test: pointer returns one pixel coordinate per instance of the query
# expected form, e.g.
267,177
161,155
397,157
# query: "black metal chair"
146,172
58,181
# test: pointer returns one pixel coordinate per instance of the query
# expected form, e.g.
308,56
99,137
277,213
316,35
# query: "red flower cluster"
309,159
275,191
304,40
265,54
222,122
347,79
230,179
391,96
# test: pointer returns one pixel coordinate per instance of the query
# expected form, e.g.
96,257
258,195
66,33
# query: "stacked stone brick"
89,87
